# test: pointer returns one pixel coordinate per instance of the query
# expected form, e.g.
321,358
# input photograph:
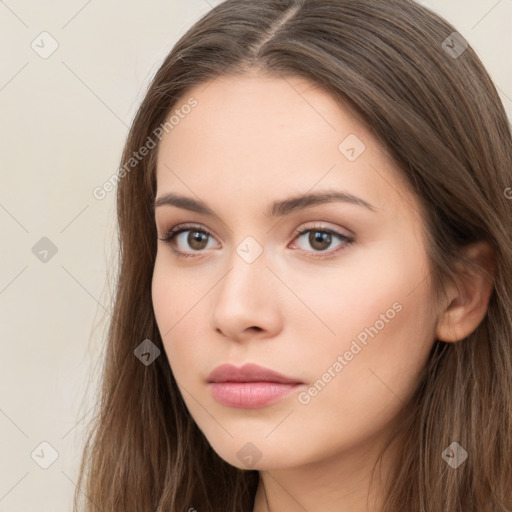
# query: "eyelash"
181,228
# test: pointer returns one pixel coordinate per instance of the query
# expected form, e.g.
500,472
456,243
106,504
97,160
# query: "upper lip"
248,373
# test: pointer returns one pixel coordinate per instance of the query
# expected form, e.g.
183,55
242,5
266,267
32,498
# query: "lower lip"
250,395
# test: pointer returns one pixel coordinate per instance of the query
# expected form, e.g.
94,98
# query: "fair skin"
250,141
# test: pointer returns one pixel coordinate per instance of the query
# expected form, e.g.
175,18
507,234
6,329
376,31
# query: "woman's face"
343,308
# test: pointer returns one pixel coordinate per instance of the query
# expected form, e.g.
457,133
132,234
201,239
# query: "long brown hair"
428,99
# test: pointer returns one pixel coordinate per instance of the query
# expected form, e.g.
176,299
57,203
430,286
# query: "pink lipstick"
249,386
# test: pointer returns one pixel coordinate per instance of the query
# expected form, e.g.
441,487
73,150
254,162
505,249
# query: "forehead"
251,109
271,136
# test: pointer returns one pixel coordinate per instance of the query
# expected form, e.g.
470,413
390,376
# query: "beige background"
63,123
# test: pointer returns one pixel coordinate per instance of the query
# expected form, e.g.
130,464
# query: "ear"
469,296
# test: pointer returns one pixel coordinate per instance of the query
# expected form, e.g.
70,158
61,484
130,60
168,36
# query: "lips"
250,386
248,373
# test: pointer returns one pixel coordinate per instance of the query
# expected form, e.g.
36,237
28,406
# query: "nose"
246,303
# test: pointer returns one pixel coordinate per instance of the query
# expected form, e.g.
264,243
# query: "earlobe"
469,296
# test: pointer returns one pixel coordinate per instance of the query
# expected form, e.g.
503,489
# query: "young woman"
314,301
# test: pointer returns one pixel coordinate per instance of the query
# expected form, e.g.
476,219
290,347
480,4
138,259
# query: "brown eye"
320,240
185,240
197,240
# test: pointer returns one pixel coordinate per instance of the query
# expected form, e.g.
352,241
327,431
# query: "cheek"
352,399
166,308
174,293
343,299
176,302
378,316
161,296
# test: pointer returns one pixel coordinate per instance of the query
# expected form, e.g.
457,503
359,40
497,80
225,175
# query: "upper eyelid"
185,226
200,227
345,240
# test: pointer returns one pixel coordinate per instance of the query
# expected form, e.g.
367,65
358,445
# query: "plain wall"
64,120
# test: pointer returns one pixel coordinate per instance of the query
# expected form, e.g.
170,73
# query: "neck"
340,484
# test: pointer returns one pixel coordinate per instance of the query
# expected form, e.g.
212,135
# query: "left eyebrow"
278,208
